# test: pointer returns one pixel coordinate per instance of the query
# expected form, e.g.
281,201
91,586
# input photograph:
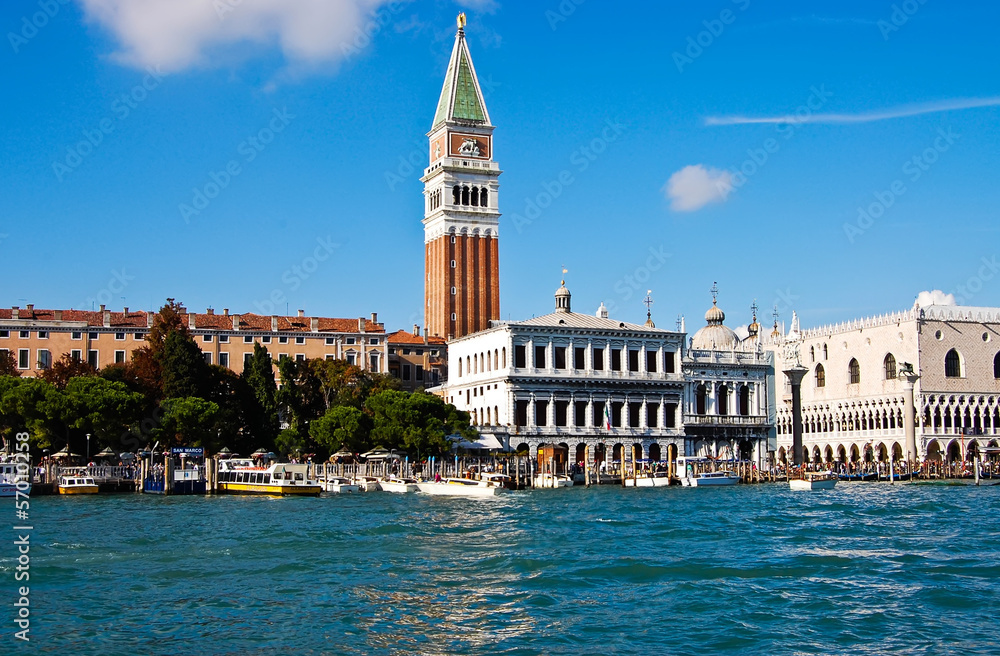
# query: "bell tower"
461,215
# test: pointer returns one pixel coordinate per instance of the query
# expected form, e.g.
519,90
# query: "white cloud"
694,187
864,117
936,297
178,34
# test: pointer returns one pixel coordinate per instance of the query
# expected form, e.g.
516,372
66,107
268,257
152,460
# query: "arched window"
465,195
820,376
723,400
953,364
484,197
702,393
854,372
503,357
812,353
890,367
496,359
456,193
996,366
468,364
825,352
475,196
496,415
745,400
460,367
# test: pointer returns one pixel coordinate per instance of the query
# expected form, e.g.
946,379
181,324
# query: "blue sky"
620,101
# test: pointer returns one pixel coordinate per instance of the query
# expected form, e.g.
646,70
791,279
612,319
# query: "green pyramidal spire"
461,97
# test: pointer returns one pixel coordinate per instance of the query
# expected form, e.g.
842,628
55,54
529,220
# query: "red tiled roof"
406,337
254,322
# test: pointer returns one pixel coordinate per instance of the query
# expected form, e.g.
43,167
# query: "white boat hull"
399,487
10,490
800,484
661,481
444,489
340,488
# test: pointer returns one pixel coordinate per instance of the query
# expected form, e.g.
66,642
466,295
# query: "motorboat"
652,479
243,476
814,481
710,479
77,484
462,487
399,485
11,473
340,485
552,480
368,483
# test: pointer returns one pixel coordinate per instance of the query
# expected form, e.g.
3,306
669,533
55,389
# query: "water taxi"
367,483
340,485
77,483
399,485
710,479
10,475
814,481
652,479
242,476
462,487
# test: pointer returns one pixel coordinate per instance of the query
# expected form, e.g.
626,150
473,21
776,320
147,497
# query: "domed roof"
715,315
715,336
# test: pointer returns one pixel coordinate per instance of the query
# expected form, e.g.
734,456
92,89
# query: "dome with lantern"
715,336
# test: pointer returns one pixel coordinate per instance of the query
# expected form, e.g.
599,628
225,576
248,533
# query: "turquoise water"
866,568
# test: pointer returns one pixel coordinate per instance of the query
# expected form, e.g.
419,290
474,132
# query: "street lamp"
88,448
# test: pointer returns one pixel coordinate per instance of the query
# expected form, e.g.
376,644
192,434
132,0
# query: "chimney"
126,311
102,307
149,319
57,315
30,307
236,322
210,312
191,321
107,317
302,313
361,325
374,317
416,330
274,324
15,313
225,312
314,324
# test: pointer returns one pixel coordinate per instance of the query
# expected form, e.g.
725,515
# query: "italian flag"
607,417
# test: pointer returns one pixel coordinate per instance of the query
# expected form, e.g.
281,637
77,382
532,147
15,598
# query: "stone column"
795,375
909,414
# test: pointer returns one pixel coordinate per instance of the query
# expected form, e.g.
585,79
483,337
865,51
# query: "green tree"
36,406
290,442
183,367
418,422
146,364
260,398
342,427
189,421
101,407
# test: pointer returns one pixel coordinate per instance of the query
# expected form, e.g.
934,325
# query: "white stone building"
853,396
729,392
600,387
574,380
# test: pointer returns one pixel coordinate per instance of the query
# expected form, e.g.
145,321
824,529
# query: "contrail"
867,117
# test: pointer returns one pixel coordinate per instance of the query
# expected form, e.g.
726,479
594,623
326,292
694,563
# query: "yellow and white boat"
77,483
242,476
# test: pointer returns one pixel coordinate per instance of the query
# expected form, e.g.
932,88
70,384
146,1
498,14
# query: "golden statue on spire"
461,20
